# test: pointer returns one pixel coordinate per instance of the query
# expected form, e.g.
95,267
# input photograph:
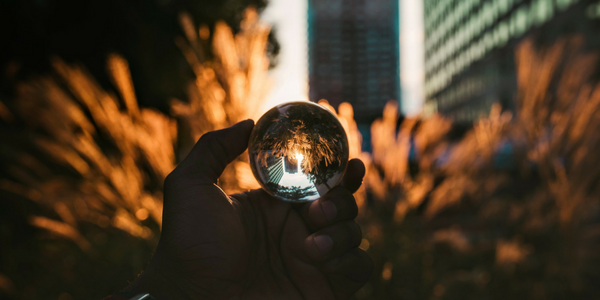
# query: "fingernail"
329,210
324,243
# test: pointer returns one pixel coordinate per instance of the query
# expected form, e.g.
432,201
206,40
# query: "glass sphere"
298,151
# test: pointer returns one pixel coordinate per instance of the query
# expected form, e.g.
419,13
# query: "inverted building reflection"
286,173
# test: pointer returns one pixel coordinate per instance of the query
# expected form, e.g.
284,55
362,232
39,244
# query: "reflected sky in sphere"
298,151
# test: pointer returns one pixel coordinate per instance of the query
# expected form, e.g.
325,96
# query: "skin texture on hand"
252,245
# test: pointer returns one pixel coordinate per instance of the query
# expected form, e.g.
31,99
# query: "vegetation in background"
82,167
509,211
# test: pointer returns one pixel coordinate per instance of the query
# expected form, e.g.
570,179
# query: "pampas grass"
509,211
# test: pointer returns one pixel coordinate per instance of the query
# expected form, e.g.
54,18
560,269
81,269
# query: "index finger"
338,204
354,175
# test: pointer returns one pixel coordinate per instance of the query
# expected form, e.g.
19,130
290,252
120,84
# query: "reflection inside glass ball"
298,151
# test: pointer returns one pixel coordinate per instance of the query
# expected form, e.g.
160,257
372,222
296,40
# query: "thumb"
215,150
201,229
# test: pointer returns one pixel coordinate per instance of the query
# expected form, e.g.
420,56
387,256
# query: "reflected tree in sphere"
298,151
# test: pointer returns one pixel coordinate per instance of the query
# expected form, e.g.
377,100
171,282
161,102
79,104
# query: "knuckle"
345,202
176,180
170,180
354,233
208,137
339,192
212,143
208,141
345,193
356,229
315,215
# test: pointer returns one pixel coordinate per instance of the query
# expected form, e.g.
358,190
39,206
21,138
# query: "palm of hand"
277,266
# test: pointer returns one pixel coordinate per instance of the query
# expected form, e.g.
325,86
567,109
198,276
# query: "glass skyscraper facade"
353,53
469,48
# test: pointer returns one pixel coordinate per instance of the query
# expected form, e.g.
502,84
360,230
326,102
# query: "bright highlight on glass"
298,151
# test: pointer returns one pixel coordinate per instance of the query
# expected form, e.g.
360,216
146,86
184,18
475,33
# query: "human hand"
252,245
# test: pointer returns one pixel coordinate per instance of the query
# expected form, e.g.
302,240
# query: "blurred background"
478,121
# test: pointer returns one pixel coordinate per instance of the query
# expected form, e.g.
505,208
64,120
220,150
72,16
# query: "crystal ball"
298,151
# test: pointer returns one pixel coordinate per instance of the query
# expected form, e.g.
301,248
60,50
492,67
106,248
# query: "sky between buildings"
290,76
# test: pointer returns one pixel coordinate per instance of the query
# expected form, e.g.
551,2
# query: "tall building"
353,53
274,169
469,48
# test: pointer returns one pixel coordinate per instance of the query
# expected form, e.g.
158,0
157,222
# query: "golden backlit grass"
90,160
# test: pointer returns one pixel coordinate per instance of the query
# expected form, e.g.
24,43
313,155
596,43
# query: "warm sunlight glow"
412,72
290,75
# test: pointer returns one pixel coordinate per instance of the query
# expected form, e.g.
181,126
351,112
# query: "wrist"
161,285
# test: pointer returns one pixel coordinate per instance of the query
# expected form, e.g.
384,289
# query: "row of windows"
354,52
381,23
329,36
444,16
440,67
463,91
434,9
461,39
442,25
466,114
349,47
430,108
593,11
372,70
486,15
474,112
359,48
